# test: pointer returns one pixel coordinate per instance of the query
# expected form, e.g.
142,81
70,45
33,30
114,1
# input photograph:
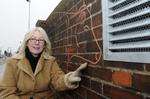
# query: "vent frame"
126,30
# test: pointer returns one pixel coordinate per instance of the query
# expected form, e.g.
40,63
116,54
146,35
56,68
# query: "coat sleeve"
8,83
57,77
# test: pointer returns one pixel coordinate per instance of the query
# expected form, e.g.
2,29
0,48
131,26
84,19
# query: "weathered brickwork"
75,31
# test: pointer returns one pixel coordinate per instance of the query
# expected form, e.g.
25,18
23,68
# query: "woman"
32,71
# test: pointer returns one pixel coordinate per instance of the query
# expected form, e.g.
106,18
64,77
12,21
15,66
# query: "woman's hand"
72,79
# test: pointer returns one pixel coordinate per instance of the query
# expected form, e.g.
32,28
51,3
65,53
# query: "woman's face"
36,43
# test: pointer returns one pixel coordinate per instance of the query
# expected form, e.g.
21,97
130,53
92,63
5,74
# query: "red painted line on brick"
82,15
97,57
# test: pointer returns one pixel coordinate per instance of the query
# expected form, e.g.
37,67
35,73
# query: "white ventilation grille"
126,30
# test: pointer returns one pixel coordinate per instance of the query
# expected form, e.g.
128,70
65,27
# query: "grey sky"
14,19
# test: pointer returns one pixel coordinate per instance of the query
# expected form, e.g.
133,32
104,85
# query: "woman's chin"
36,53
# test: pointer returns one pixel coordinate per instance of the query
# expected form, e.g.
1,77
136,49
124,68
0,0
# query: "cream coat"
19,82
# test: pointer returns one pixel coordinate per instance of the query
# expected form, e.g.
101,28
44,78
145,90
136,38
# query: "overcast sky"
14,19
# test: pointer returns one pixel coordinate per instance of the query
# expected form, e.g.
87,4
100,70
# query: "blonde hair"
47,48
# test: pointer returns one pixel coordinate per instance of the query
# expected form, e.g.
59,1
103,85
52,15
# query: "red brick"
82,91
72,21
80,28
73,42
94,59
93,46
82,48
141,82
71,49
96,7
85,36
147,66
82,15
132,66
78,59
88,71
86,82
96,86
88,23
98,32
117,93
92,95
122,78
91,58
88,1
97,20
102,73
71,66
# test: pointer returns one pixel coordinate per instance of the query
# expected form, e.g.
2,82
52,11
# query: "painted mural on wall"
77,24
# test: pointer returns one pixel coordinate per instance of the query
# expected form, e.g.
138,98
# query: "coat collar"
24,64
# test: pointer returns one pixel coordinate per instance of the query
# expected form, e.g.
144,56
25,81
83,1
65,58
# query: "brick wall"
75,31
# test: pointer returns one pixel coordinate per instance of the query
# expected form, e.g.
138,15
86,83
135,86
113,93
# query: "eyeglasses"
34,40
